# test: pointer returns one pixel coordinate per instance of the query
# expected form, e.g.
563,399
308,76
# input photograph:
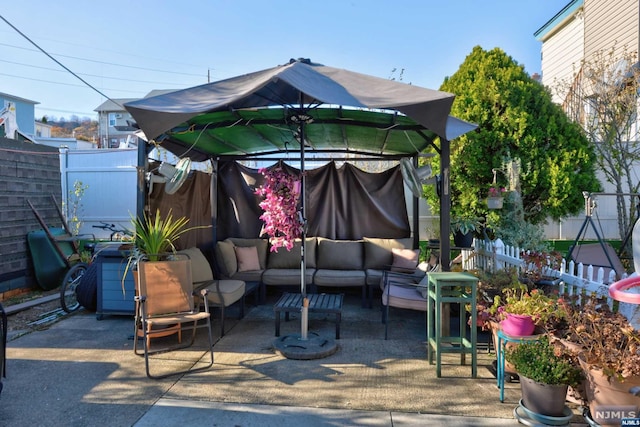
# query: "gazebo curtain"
341,203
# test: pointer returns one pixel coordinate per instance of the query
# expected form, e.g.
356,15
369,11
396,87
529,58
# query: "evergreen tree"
517,122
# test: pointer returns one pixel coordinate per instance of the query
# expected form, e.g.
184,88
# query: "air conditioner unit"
118,116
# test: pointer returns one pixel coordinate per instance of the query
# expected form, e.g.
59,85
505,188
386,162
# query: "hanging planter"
281,191
495,202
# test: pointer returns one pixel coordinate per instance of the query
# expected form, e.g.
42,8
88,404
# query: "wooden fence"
575,278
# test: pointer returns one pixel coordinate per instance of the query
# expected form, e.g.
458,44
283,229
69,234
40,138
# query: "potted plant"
608,349
463,226
495,197
521,311
154,237
546,371
536,266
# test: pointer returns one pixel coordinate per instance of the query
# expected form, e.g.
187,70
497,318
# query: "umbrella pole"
303,285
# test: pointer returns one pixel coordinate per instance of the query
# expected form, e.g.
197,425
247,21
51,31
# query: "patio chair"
165,301
402,291
220,293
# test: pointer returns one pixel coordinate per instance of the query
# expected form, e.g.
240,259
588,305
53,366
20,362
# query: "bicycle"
77,272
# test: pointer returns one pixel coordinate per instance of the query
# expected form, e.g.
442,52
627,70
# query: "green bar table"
451,288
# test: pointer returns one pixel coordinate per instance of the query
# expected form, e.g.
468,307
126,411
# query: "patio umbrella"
344,111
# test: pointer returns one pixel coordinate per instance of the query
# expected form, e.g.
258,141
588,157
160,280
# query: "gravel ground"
37,317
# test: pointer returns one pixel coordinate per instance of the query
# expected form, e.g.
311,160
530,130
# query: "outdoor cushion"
404,297
405,259
291,259
286,276
230,290
377,251
339,278
247,258
260,244
226,256
200,267
340,254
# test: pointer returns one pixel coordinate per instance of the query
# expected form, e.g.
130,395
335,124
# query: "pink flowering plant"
281,192
495,191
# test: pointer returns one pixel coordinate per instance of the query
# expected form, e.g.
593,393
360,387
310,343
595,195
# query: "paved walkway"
82,372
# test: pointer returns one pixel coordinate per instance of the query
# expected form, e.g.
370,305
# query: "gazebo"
300,108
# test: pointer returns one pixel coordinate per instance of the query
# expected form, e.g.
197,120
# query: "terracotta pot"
518,325
543,399
602,393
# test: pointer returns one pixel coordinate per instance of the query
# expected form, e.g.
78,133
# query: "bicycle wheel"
68,299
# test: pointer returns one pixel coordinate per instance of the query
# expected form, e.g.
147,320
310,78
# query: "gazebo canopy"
259,113
305,107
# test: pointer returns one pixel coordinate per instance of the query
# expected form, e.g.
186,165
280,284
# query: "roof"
17,98
264,112
113,104
568,11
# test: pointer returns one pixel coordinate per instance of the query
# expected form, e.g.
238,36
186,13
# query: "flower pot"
543,399
494,202
463,240
518,325
604,394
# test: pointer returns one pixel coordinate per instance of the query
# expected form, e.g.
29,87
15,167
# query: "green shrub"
543,362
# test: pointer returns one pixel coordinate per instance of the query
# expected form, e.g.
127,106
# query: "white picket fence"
576,278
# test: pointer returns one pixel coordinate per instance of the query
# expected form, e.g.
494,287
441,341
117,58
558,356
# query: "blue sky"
127,48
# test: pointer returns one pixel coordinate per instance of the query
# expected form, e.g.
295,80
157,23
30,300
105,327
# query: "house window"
112,119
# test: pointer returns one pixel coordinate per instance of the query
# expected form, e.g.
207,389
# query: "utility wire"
95,61
85,74
58,62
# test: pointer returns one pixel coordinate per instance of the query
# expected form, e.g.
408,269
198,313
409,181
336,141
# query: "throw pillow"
405,259
247,258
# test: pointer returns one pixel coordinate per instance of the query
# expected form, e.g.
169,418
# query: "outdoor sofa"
329,263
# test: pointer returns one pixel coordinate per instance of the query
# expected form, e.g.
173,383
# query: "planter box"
111,300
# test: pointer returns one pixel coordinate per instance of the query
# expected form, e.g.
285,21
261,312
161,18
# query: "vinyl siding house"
580,30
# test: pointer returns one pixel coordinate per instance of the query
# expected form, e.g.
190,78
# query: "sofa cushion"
291,259
340,254
226,258
200,267
260,244
377,251
247,258
339,278
286,276
405,259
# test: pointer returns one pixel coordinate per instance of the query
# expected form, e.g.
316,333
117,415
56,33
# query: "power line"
136,55
68,84
56,61
105,62
85,74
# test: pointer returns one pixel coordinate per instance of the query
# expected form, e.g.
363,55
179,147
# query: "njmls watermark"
620,415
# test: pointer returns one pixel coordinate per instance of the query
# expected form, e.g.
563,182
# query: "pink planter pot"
518,325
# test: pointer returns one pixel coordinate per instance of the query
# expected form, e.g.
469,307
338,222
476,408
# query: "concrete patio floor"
82,372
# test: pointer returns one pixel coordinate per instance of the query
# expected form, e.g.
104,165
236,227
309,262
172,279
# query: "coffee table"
318,303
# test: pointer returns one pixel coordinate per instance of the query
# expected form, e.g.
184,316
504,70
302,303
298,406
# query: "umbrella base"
314,347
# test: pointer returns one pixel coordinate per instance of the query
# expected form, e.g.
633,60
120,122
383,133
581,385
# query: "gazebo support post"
445,205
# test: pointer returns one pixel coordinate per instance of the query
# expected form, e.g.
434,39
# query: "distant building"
24,112
115,124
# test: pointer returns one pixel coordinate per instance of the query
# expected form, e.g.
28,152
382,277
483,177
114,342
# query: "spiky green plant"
155,235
